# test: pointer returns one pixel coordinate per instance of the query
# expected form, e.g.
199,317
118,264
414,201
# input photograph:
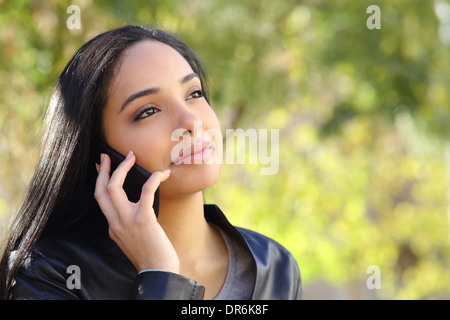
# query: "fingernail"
166,171
129,155
102,157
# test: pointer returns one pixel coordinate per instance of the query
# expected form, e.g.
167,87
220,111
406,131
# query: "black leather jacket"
106,273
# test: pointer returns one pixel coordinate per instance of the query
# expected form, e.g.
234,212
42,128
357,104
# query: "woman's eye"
147,112
195,95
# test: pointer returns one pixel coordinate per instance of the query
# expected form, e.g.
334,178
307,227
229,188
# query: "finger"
100,193
115,189
119,175
149,188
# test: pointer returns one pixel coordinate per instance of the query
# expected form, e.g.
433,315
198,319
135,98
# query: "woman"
77,235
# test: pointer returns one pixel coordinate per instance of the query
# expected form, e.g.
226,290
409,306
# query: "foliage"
362,114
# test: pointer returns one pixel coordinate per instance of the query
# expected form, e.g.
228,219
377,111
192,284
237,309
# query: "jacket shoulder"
278,274
71,257
39,278
266,248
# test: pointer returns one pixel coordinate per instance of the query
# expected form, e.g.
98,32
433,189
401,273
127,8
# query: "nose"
189,122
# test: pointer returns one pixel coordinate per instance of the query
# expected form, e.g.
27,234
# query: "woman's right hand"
133,226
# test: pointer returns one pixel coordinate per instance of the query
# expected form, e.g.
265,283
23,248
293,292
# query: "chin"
188,179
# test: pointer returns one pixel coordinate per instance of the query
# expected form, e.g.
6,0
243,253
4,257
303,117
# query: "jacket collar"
215,216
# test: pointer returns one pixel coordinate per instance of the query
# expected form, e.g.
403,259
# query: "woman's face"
156,109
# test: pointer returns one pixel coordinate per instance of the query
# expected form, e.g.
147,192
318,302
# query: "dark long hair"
64,175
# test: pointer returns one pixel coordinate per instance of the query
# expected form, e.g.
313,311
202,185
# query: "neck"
182,219
200,247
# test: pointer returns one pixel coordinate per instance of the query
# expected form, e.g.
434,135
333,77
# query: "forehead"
150,51
146,64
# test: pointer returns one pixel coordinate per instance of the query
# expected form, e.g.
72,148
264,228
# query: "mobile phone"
135,178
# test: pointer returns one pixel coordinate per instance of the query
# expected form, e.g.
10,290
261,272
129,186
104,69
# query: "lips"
194,153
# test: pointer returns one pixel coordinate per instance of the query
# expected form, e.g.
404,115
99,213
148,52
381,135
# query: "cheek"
151,152
148,144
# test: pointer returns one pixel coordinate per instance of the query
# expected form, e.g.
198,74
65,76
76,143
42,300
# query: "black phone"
135,179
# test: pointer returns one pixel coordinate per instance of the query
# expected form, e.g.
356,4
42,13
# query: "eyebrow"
189,77
150,91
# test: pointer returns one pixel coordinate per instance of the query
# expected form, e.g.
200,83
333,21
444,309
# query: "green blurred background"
363,118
